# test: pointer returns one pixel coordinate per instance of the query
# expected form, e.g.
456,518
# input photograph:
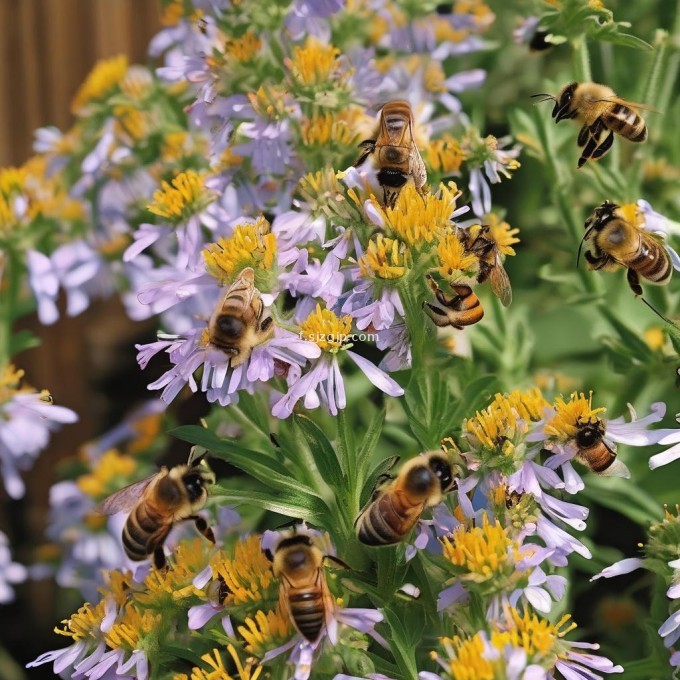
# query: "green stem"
582,61
11,274
652,85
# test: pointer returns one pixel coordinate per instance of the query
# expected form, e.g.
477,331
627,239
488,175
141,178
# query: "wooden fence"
47,47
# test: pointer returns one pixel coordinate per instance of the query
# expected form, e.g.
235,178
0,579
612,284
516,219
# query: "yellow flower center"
250,245
183,197
418,219
217,670
655,338
385,258
243,48
84,623
329,331
11,384
146,429
133,626
477,8
101,80
445,154
314,63
501,234
467,659
265,631
172,148
528,631
248,575
269,102
131,121
12,181
137,83
499,423
568,415
112,471
484,552
328,128
454,260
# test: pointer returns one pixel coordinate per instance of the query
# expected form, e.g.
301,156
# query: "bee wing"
631,105
500,282
417,166
124,499
329,608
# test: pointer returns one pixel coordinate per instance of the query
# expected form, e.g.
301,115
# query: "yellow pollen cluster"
269,102
12,180
248,575
468,662
498,424
568,414
243,48
131,121
163,587
250,245
534,635
477,8
112,471
502,234
260,631
131,628
418,219
484,552
84,623
313,64
454,259
218,671
445,32
385,258
445,154
329,331
433,77
101,80
173,145
11,384
328,128
184,196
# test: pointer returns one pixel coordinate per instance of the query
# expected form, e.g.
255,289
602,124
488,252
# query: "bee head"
443,471
589,433
195,482
296,553
563,103
230,326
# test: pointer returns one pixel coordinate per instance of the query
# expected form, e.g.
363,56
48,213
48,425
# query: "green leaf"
322,451
475,397
623,496
21,341
627,40
381,468
630,338
369,442
407,628
295,506
262,467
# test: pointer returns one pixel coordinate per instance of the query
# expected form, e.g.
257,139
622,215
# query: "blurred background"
47,47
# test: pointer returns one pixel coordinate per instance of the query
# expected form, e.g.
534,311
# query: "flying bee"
398,502
602,114
618,240
595,452
478,240
240,321
463,309
394,153
156,504
304,597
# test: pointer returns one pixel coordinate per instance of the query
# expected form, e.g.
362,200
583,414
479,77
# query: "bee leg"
336,562
593,141
159,560
582,136
634,282
605,146
203,527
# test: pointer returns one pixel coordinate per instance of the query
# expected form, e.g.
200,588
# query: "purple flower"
11,572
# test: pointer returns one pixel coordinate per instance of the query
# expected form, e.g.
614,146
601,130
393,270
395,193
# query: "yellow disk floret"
250,245
186,195
111,472
385,258
455,263
313,63
101,80
329,331
264,631
568,415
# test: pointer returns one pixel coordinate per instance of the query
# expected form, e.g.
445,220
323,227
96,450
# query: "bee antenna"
659,314
546,97
580,245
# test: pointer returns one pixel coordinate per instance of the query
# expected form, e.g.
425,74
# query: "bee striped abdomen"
469,305
388,519
143,531
627,123
307,610
652,263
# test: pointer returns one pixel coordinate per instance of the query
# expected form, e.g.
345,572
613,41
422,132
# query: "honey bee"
602,114
394,152
595,452
298,563
618,241
478,240
240,321
464,309
156,504
398,502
